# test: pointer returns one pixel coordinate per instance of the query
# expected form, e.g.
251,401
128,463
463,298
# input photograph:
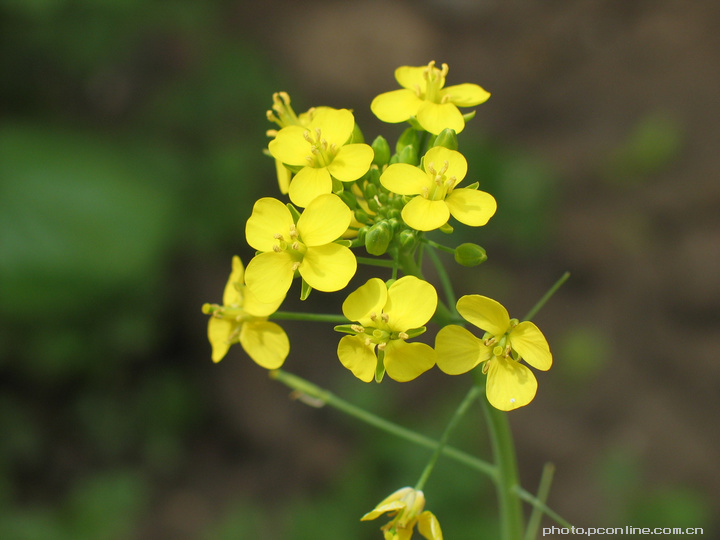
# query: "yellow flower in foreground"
506,341
405,506
423,97
385,318
437,197
243,319
306,247
320,149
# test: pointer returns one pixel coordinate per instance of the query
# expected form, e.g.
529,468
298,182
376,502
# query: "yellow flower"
320,149
424,98
306,246
436,194
385,318
243,319
405,506
506,341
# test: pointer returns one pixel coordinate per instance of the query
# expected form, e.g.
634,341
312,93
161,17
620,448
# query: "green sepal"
294,211
408,155
409,137
474,185
337,186
345,329
294,168
468,254
447,229
356,136
305,291
469,116
344,242
382,151
380,367
415,332
348,198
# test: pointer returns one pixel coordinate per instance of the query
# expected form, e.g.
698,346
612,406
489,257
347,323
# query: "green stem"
543,492
544,508
444,280
511,516
471,396
438,246
540,303
315,317
385,263
306,387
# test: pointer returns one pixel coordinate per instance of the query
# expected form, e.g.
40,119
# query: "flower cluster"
349,199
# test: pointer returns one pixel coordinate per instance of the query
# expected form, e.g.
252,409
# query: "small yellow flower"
306,247
506,341
437,197
320,149
424,98
385,317
405,506
243,319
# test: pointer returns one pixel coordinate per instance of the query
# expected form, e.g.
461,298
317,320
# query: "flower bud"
382,151
409,137
406,239
447,138
361,216
378,238
470,254
408,155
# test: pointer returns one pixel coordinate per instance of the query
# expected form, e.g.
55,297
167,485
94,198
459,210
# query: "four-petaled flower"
385,317
319,148
506,341
405,506
436,195
243,319
306,246
423,97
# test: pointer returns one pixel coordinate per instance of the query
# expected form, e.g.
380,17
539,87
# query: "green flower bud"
409,137
447,138
348,198
470,254
369,191
408,155
362,232
373,204
361,216
378,238
406,239
357,136
382,151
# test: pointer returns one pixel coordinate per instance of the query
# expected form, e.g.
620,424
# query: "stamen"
295,265
403,335
357,328
278,236
373,316
296,245
445,167
293,231
431,168
425,192
381,346
385,317
306,136
277,249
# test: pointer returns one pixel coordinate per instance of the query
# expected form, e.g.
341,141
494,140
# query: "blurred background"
131,137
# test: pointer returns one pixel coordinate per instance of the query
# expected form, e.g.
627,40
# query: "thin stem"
327,397
542,495
315,317
540,303
438,246
531,499
471,396
444,280
511,516
385,263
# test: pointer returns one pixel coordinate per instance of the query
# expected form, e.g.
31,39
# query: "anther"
357,328
278,236
373,316
445,167
403,335
425,192
385,317
296,245
295,266
277,249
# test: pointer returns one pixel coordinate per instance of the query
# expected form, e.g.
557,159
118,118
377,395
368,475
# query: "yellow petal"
269,217
429,526
411,77
219,334
324,220
509,384
405,179
383,508
231,295
366,299
531,345
458,350
438,155
471,207
283,175
308,184
358,358
465,95
425,215
328,268
253,306
485,313
396,106
290,146
265,342
335,125
411,303
351,162
405,361
268,276
434,117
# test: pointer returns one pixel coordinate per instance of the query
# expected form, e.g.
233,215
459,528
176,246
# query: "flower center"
292,245
379,333
441,185
321,153
434,81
